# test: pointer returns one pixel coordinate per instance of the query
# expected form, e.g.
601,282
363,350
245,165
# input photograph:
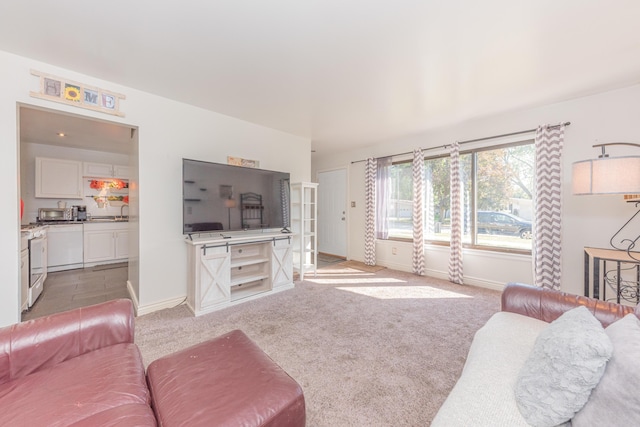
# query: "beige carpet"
361,266
368,349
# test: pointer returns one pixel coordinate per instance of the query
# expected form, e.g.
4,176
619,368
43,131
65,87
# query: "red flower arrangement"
116,184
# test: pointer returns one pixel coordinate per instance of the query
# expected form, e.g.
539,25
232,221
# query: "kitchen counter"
89,221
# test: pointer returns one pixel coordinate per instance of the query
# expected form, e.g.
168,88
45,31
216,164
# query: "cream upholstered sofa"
485,394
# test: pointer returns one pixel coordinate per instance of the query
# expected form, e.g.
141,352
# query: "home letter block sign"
80,95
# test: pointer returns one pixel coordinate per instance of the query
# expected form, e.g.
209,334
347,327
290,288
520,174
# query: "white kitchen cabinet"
105,243
122,244
58,178
65,247
104,170
120,171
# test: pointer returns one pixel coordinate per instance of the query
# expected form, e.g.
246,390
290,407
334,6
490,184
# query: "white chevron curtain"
547,244
455,258
370,212
417,168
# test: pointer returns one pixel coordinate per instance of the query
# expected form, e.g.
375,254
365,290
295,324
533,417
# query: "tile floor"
64,290
325,260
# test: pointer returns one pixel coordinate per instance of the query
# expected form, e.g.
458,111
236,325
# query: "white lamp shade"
609,175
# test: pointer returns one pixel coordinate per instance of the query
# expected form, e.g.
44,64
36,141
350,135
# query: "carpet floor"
368,348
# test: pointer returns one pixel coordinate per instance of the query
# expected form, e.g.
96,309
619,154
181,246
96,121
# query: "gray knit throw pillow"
566,363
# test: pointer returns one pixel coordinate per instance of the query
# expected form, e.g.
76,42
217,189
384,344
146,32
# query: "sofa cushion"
129,415
616,398
566,363
483,395
77,389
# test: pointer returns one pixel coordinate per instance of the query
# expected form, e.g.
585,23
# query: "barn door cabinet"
223,272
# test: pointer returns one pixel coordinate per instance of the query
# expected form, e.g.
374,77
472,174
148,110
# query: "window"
497,192
401,201
504,196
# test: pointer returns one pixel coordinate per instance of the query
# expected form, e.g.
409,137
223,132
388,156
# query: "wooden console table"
603,256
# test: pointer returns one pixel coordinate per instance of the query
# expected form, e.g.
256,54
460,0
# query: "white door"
332,212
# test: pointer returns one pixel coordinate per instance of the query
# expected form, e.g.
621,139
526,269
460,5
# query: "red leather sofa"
82,368
77,368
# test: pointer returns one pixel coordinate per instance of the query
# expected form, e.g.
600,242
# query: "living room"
600,106
317,91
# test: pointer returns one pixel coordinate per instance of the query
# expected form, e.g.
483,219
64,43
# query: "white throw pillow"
616,399
566,363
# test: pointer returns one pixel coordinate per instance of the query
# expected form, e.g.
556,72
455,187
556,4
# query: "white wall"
168,131
587,220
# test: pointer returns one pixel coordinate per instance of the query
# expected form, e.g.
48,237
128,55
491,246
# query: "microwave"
55,214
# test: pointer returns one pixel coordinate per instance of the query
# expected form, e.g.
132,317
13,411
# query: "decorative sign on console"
62,90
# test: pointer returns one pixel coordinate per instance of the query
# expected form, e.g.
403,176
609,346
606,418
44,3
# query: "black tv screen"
220,197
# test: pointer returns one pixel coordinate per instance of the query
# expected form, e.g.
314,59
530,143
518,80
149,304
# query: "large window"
497,193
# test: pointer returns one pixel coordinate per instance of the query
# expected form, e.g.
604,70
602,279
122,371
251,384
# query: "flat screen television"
218,197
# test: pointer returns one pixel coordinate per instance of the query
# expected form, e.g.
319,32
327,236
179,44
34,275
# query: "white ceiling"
67,130
341,72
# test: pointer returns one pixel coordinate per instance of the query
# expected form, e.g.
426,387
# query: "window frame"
474,188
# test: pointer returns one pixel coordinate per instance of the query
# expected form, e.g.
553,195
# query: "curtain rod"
474,140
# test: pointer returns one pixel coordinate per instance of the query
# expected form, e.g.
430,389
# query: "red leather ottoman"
227,381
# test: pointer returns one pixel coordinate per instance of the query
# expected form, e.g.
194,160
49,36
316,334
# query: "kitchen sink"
109,219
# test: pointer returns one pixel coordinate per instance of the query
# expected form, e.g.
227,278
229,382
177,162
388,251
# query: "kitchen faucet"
122,209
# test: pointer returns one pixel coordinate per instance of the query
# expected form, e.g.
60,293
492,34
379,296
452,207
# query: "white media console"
224,271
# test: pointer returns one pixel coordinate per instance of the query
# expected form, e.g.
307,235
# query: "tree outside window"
498,188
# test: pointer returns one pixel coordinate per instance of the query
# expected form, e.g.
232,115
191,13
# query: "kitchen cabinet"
104,170
122,244
58,178
120,171
105,243
65,247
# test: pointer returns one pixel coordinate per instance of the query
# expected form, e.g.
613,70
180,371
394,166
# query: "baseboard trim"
438,274
150,308
481,283
132,295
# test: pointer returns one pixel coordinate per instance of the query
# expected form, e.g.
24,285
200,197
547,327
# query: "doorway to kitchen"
90,144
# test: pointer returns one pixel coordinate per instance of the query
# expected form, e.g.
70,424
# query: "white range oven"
37,249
